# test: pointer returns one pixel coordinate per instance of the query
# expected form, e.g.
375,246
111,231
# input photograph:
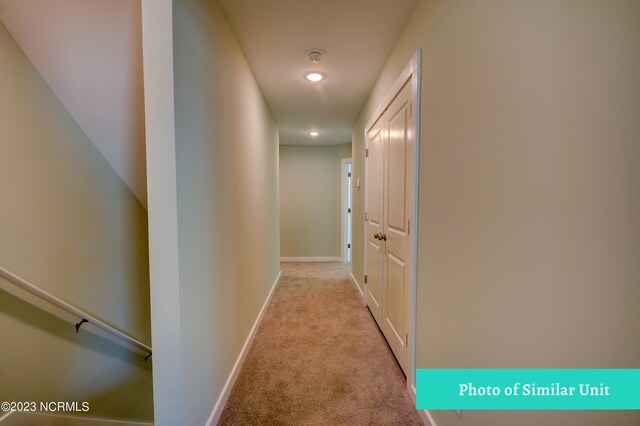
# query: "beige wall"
71,226
221,205
106,34
310,196
529,203
344,151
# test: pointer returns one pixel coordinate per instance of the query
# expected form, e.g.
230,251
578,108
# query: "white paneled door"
374,224
390,209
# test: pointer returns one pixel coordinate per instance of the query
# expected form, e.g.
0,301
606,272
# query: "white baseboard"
310,259
426,418
357,286
425,415
235,371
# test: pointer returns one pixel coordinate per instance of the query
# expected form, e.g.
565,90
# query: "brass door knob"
376,236
383,236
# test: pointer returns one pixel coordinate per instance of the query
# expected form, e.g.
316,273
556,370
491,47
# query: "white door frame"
411,71
343,207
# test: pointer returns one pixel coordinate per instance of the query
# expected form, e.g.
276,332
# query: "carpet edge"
235,371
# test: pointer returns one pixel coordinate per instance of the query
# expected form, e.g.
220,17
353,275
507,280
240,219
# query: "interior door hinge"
348,245
411,110
408,227
348,210
366,217
349,174
406,340
366,153
365,279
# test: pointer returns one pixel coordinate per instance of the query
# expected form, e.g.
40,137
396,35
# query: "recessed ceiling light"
315,76
314,133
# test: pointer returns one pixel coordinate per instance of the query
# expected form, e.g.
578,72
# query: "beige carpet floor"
318,358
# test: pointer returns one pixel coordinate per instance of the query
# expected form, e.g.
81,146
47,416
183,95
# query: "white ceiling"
357,37
90,55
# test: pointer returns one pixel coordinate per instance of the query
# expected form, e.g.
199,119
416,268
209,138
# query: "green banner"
528,389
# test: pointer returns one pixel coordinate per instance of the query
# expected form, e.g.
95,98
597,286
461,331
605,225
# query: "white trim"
357,286
342,196
4,416
365,219
425,415
235,371
426,418
406,73
416,72
343,206
310,259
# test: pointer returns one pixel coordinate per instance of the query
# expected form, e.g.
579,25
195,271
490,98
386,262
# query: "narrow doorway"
346,210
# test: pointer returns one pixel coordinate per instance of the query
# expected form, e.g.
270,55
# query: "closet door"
397,205
374,226
391,189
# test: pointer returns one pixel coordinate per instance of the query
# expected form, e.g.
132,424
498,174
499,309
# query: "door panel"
375,175
396,166
396,200
374,282
394,299
374,226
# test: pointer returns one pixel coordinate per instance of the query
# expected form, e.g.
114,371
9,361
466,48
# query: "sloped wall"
71,226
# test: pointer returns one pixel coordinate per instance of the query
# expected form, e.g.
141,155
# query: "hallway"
161,158
318,358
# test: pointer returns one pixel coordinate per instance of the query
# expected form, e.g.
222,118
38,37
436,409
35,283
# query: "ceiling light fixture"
315,76
313,133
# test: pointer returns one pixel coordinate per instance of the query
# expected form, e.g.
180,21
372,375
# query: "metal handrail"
84,316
